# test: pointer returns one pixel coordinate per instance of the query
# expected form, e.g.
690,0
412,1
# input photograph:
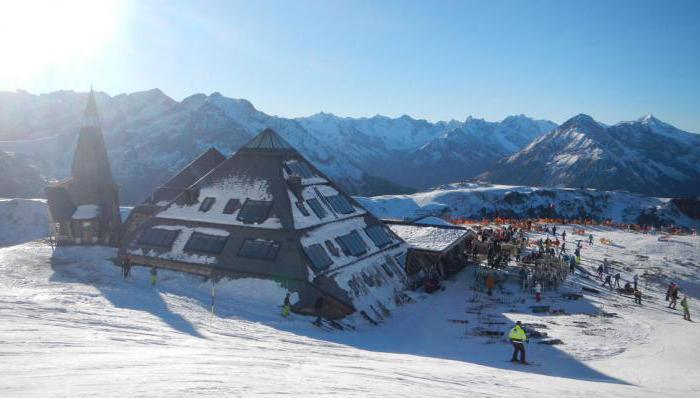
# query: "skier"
670,290
563,236
126,267
674,298
572,264
538,292
554,230
563,248
636,279
608,281
318,306
154,273
286,306
686,311
600,272
617,279
638,296
590,239
518,337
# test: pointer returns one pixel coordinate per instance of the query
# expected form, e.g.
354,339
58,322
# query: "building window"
200,242
231,206
332,248
300,169
158,237
254,211
302,209
340,204
318,256
316,207
259,248
378,234
352,244
207,203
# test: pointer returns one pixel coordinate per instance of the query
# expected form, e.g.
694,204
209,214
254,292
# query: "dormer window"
207,203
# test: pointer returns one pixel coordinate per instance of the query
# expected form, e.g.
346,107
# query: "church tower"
84,209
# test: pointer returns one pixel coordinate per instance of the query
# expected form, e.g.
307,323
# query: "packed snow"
70,325
428,237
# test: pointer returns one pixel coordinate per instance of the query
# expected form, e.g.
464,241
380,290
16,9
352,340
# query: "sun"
36,35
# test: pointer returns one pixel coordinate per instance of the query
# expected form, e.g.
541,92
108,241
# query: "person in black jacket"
318,307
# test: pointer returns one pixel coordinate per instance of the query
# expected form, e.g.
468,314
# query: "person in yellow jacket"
518,338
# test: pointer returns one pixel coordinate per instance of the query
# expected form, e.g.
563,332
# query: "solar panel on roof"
159,237
299,168
259,248
254,211
318,256
206,243
340,204
378,234
352,244
316,207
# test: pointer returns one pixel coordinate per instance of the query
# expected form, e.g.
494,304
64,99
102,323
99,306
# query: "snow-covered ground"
71,326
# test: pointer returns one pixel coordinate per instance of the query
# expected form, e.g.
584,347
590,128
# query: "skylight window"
332,248
231,206
259,248
316,207
318,256
352,244
302,209
340,204
200,242
379,235
159,237
299,168
254,211
207,204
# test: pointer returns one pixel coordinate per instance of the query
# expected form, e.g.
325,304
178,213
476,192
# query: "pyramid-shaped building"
266,212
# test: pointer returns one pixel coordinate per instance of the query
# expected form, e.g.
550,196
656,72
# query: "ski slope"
70,325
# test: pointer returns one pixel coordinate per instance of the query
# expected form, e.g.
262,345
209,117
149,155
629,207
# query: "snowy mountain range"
646,156
149,136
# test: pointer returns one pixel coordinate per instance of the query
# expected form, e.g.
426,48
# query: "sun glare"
37,35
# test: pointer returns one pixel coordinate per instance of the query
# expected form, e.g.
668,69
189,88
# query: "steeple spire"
91,117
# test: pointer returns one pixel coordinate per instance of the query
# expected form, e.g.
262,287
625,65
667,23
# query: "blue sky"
614,60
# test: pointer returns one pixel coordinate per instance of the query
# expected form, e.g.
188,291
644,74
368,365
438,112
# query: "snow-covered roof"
432,220
426,237
86,212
